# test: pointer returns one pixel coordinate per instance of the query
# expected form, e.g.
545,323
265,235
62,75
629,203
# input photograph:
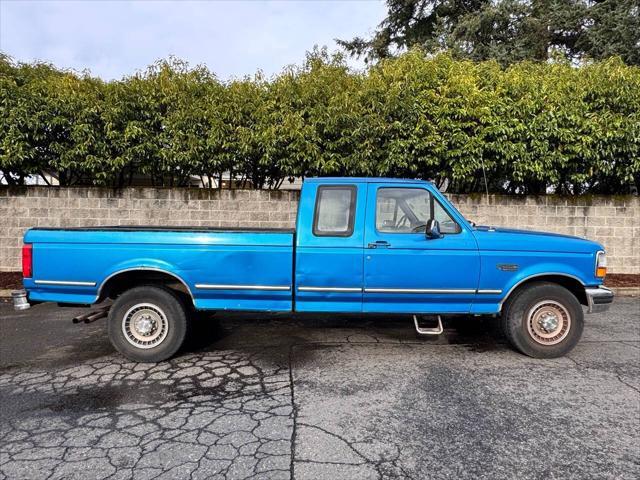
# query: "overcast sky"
233,38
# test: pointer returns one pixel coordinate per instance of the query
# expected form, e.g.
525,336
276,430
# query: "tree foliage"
508,30
531,127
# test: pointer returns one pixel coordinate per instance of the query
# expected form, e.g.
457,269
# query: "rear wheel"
148,324
543,320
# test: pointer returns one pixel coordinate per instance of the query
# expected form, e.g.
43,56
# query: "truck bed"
223,268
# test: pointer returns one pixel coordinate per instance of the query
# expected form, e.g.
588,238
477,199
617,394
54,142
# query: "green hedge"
534,126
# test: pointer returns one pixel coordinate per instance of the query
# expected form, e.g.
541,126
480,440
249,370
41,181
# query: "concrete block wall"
25,207
613,221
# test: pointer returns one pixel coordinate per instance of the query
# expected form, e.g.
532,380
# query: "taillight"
27,260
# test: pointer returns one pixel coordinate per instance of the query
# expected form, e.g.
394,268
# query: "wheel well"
123,281
570,283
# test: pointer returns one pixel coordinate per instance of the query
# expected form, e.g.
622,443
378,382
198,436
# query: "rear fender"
147,264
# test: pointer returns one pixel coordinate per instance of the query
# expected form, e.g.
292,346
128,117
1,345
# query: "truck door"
404,271
329,247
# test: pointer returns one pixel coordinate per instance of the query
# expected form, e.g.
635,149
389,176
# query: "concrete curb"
626,291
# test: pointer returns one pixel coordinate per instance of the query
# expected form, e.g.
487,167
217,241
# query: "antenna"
484,174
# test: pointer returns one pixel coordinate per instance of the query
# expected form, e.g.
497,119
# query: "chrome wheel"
145,325
548,322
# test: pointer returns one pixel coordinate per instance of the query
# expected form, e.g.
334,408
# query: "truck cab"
399,246
361,245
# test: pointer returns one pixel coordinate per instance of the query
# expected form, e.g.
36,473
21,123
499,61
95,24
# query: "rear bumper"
598,299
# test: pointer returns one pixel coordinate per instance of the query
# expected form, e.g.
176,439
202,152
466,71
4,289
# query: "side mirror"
432,231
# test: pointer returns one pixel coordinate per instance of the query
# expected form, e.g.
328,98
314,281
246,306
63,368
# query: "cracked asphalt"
268,397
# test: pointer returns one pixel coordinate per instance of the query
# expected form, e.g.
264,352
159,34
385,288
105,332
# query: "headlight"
601,264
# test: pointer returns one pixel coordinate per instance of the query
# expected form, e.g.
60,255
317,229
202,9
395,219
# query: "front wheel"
543,320
147,324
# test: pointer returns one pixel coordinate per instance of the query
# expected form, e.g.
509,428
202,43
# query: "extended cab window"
407,210
335,211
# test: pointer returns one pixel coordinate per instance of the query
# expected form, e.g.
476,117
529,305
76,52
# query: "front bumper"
598,299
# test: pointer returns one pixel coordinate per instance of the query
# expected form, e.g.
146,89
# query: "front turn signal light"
601,265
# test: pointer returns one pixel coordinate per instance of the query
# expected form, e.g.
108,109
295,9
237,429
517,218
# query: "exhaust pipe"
92,316
20,301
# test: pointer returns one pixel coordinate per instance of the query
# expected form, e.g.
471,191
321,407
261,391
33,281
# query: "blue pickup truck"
363,245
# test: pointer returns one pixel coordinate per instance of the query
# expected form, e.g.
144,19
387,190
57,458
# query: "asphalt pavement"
275,396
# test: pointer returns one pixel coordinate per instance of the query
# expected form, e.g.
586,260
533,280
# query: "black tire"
161,312
524,315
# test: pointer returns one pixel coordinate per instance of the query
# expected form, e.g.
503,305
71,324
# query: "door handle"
379,244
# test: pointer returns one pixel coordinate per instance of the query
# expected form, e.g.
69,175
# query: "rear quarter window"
334,213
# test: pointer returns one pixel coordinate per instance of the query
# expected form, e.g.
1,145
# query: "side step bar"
428,331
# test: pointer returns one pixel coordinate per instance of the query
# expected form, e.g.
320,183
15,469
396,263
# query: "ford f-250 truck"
362,245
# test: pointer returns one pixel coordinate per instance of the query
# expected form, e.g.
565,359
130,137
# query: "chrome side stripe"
206,286
286,288
331,289
431,290
65,283
418,290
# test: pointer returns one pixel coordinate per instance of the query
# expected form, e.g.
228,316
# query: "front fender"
539,270
503,272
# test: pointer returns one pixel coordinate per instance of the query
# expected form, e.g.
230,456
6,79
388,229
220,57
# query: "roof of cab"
362,180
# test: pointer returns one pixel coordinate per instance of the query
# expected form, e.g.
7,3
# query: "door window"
335,211
407,210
